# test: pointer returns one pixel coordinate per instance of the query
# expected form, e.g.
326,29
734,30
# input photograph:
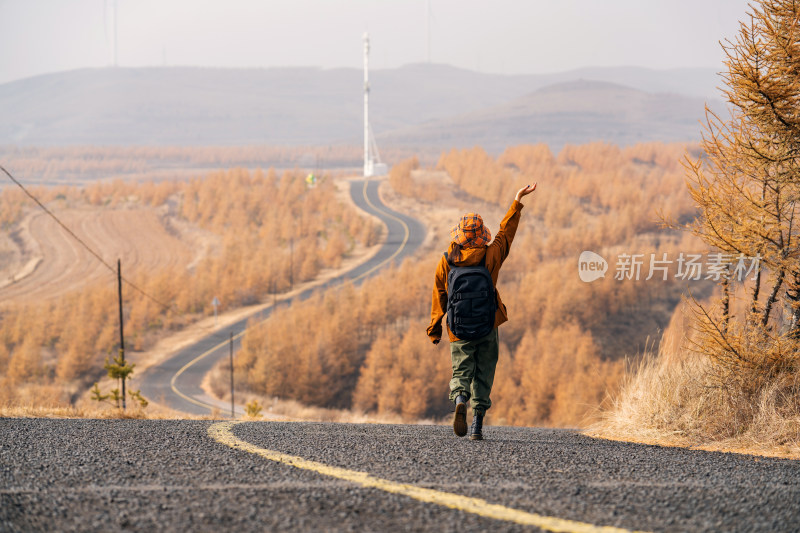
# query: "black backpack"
471,300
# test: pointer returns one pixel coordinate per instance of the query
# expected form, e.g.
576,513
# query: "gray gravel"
93,475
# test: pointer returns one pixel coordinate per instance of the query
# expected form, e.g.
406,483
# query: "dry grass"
274,409
290,410
94,411
671,399
68,400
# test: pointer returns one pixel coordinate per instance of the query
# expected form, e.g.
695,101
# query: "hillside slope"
576,112
307,106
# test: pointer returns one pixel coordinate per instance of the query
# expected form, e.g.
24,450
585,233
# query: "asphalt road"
184,475
176,381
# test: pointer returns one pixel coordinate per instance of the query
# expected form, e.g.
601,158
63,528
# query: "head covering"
470,232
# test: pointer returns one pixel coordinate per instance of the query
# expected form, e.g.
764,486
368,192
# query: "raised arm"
508,226
526,190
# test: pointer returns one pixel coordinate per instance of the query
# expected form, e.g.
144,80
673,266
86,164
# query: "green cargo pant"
473,370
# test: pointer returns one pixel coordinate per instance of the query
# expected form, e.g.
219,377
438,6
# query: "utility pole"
231,351
121,333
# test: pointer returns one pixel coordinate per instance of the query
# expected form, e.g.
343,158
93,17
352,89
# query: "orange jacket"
495,254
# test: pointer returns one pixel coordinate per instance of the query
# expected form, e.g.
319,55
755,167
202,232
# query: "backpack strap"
446,258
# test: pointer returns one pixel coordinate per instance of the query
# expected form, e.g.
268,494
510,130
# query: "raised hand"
525,191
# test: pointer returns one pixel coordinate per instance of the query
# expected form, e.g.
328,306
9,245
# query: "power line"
82,243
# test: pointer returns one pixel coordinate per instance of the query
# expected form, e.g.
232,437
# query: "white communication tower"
372,159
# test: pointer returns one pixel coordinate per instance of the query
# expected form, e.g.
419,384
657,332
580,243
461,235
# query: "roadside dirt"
728,446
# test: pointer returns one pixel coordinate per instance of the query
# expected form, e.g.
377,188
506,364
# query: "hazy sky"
505,36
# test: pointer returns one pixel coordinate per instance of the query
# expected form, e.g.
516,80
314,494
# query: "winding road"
176,382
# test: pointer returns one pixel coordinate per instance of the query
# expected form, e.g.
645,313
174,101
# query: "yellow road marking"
222,432
185,367
402,245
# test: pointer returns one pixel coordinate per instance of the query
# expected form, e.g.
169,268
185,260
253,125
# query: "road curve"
175,382
182,475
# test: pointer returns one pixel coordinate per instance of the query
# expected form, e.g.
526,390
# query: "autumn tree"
747,187
400,176
259,229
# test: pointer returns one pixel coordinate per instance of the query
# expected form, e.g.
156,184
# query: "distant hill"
573,112
428,105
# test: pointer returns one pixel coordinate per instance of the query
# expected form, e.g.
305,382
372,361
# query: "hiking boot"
460,416
476,429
